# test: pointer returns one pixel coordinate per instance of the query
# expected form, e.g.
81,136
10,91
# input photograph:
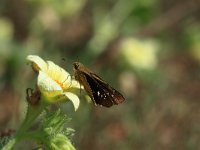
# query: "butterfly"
99,91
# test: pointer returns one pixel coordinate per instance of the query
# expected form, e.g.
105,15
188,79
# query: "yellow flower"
140,54
54,83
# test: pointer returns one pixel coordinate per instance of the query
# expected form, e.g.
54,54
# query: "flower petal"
38,63
74,99
58,73
48,86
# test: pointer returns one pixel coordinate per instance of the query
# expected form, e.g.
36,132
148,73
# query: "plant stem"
32,113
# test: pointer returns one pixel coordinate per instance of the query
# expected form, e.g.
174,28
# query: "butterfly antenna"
67,79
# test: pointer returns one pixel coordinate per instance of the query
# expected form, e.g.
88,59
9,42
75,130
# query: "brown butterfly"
99,91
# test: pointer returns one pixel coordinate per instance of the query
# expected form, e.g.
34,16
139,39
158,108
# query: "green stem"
10,144
32,113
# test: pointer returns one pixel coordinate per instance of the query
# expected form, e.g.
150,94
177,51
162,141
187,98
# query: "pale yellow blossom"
140,53
54,82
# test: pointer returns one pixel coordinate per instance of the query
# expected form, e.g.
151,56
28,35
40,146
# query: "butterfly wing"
103,93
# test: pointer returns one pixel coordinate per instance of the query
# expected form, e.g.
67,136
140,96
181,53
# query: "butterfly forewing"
99,91
109,91
100,95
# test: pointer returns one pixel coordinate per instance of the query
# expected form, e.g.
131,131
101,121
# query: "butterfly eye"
76,65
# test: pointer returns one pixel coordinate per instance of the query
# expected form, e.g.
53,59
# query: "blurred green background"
147,49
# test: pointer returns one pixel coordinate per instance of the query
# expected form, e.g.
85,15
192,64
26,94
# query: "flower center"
59,83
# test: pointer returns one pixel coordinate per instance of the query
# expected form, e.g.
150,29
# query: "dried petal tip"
37,62
33,97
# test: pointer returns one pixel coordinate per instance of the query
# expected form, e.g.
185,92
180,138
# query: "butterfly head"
76,65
